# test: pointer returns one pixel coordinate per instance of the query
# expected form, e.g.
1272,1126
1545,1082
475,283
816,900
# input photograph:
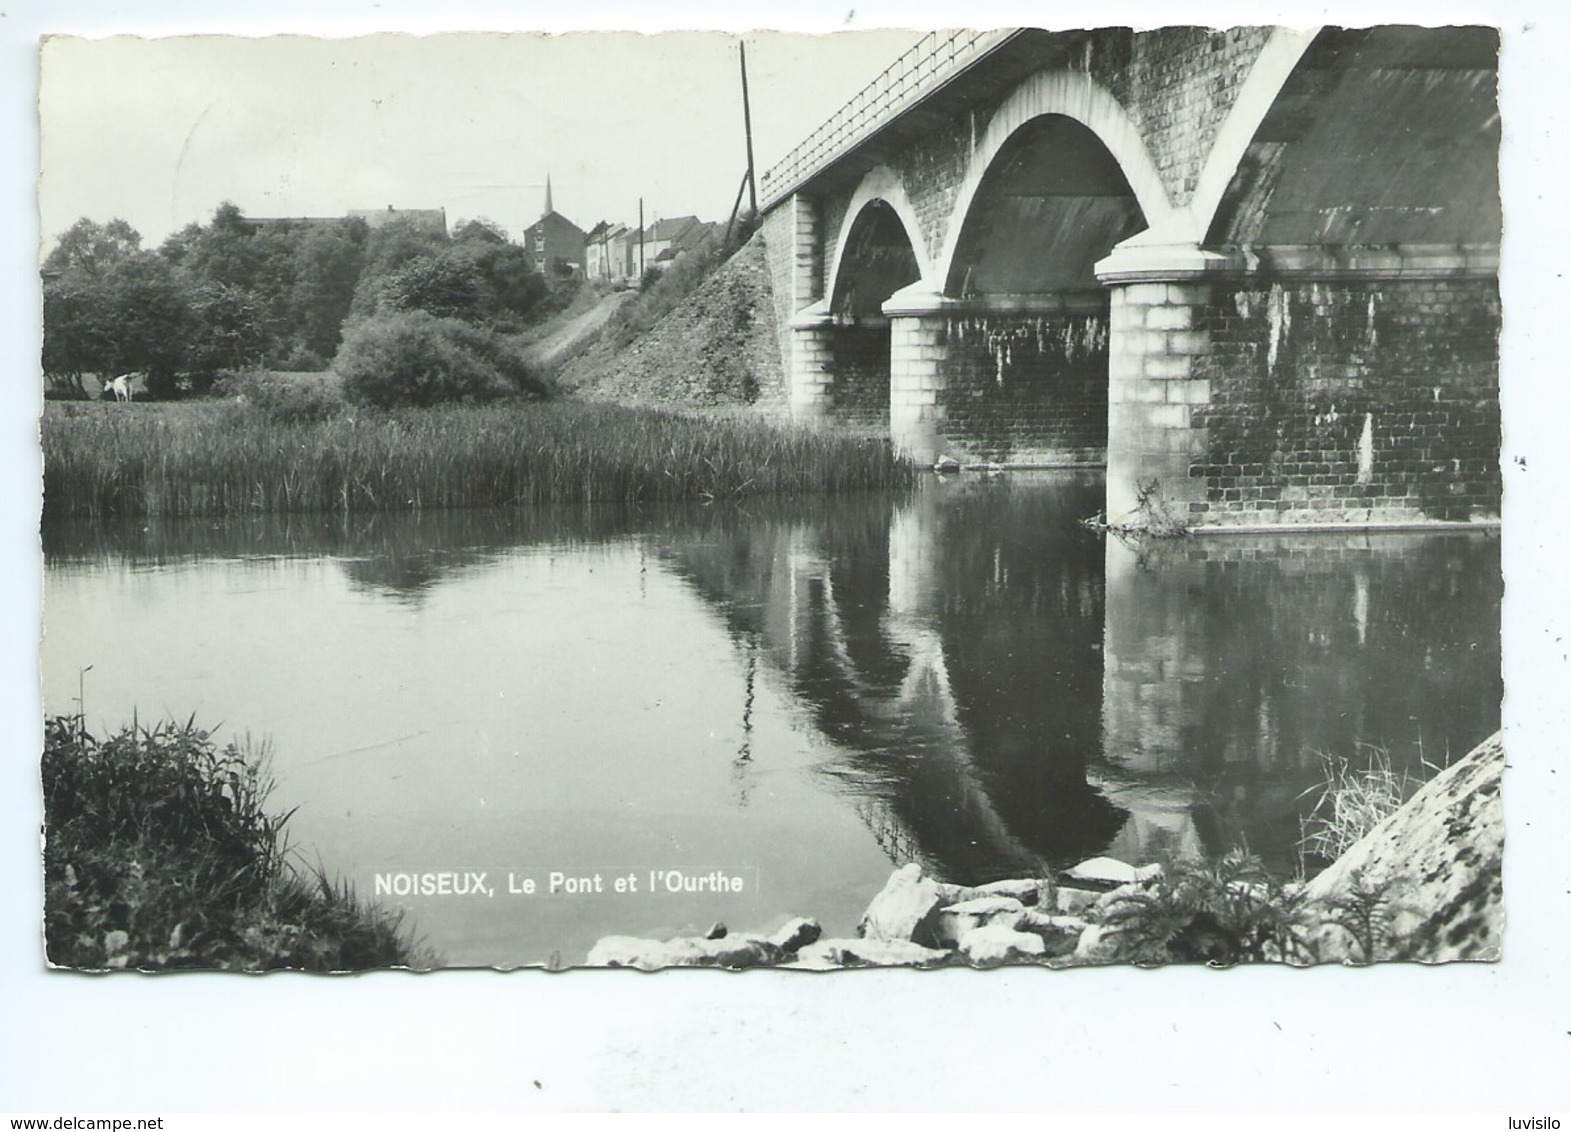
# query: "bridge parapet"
937,57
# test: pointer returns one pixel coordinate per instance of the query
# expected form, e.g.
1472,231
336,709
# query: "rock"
1029,890
738,952
1095,947
958,919
946,464
1103,870
717,930
1107,899
1060,935
796,934
906,909
652,954
830,953
625,951
957,893
996,943
1073,901
1430,873
1150,874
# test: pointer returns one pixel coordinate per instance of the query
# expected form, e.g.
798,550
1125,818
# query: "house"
555,244
601,248
684,241
433,218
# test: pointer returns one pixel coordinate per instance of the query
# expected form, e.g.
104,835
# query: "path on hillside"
575,331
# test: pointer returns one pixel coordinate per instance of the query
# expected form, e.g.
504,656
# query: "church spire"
548,209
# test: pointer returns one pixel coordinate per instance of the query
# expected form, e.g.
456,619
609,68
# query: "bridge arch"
1064,94
1382,137
1259,93
877,253
880,185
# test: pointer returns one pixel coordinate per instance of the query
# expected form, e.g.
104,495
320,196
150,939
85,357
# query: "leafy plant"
1365,914
160,852
1218,912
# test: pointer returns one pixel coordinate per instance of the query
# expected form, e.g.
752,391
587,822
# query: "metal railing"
936,56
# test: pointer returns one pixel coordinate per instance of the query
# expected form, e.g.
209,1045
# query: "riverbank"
1424,884
202,458
160,854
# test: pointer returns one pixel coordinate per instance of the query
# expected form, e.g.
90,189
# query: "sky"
160,131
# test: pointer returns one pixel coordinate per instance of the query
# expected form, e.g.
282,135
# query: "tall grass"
1353,800
227,458
160,852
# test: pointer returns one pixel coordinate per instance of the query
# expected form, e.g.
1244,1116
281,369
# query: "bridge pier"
918,372
1156,383
811,378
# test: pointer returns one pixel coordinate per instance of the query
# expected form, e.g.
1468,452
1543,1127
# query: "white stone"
993,944
796,934
1029,890
1103,870
957,920
830,953
1075,900
653,954
1060,935
1095,946
906,909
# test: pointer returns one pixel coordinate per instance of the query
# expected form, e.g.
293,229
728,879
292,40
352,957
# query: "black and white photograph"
1027,498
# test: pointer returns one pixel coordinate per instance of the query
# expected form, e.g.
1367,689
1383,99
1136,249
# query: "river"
687,714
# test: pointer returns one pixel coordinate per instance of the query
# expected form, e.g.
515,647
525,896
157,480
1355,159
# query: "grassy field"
222,457
160,854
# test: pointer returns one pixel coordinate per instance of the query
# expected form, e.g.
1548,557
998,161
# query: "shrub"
159,852
415,358
283,398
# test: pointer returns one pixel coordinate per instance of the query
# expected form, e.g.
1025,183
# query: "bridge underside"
1262,291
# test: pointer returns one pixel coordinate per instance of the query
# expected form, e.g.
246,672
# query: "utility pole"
747,124
640,240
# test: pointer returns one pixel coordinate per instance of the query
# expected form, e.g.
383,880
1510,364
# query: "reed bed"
227,458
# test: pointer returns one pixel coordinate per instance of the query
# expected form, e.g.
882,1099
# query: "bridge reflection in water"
1002,690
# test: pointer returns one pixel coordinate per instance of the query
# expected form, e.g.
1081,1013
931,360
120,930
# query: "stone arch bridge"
1252,271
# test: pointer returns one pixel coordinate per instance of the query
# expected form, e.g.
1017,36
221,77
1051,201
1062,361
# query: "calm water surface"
792,696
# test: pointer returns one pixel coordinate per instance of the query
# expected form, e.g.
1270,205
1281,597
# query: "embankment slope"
716,349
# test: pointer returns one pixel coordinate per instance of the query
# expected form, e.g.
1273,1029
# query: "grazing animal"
121,386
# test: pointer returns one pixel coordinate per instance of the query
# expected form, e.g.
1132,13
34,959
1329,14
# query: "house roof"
672,228
376,217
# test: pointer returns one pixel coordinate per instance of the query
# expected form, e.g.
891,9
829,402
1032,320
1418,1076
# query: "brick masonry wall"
1028,388
860,394
1363,401
1178,85
776,233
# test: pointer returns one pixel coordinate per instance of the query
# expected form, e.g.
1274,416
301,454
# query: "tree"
479,229
149,308
327,266
229,328
90,248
